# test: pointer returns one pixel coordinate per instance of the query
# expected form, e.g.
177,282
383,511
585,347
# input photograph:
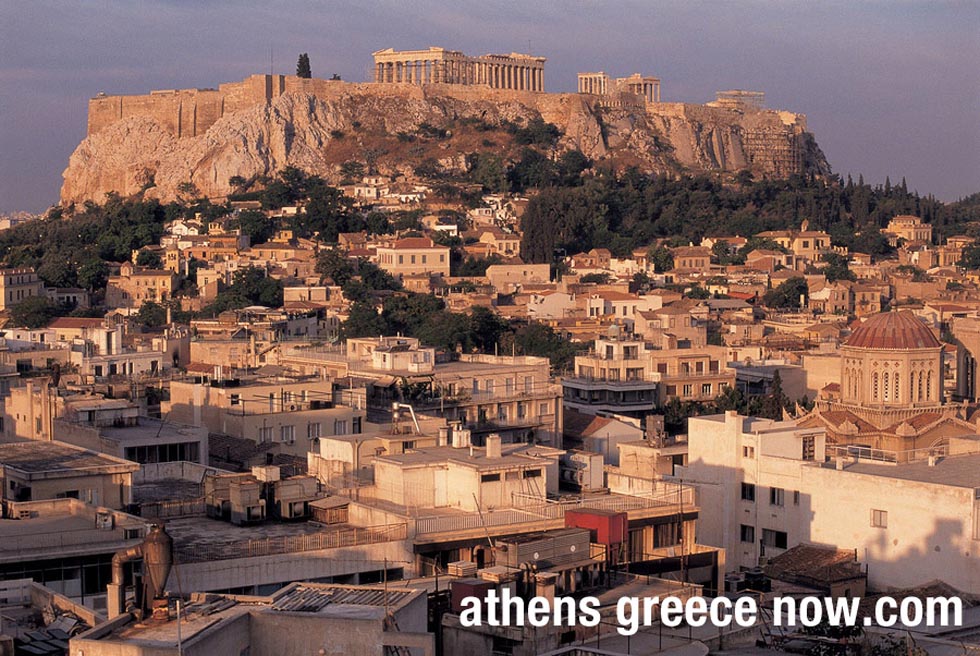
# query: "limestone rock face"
369,123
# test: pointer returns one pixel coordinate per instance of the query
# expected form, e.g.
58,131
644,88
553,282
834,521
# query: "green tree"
970,259
660,258
250,286
775,401
486,328
152,315
334,264
256,225
363,320
837,268
34,312
598,278
327,213
58,273
406,314
149,259
303,66
93,274
788,295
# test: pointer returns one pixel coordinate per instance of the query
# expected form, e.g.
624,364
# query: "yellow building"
414,255
135,286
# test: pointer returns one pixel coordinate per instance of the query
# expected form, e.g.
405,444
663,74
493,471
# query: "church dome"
893,331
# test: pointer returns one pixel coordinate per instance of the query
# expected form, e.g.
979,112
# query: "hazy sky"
890,87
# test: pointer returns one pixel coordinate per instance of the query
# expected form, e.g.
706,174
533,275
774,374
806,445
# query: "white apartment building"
766,486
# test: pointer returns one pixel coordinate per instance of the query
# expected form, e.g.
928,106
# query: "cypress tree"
303,66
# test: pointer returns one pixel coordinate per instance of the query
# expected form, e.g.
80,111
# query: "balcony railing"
885,456
592,381
533,509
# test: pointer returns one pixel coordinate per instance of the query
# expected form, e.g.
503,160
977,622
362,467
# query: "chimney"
839,462
461,438
443,436
732,419
493,446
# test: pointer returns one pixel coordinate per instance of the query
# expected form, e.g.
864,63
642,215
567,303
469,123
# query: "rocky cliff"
394,128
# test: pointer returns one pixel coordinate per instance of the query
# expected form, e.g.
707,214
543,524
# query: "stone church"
891,390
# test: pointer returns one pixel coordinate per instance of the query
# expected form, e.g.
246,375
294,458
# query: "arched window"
921,394
929,385
874,386
912,387
887,390
898,384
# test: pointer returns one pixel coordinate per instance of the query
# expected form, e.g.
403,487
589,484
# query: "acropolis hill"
153,143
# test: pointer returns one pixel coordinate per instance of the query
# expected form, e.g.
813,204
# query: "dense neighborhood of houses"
717,415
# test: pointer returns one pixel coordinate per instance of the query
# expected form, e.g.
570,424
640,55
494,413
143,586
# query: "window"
287,434
313,430
489,478
809,447
265,434
706,389
879,518
688,390
748,533
748,492
748,452
796,497
777,496
532,473
775,539
356,426
543,409
340,427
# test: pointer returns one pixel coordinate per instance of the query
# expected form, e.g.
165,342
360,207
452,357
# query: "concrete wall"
929,533
285,568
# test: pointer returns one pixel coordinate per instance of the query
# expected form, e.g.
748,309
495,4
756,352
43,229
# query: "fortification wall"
190,112
185,112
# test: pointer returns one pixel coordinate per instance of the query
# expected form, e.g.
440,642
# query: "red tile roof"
893,331
76,322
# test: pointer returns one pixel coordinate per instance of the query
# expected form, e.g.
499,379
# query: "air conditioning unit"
734,582
292,509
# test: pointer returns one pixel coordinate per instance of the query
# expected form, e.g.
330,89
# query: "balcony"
593,383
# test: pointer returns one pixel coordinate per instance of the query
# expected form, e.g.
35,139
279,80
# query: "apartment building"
17,285
627,376
514,396
291,412
767,486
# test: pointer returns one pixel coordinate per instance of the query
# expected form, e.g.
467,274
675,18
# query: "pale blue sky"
890,87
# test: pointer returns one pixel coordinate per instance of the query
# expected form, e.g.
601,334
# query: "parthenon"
601,84
515,71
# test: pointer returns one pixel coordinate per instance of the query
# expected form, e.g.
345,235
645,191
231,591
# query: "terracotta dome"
893,331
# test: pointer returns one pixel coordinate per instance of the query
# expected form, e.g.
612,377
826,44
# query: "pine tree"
303,66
